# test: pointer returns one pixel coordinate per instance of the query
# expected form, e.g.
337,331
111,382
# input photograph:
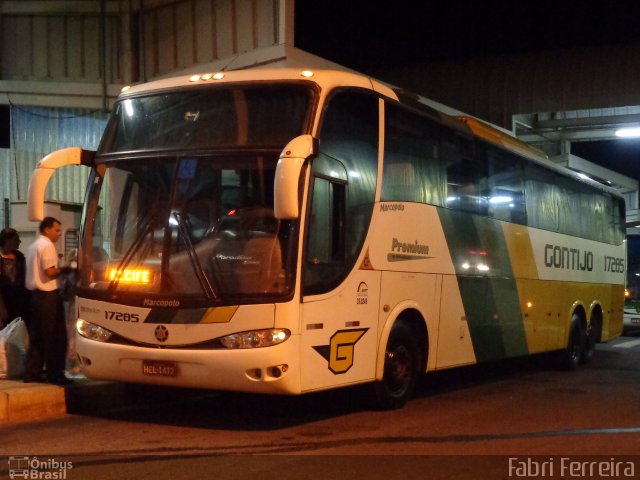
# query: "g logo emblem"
340,351
161,333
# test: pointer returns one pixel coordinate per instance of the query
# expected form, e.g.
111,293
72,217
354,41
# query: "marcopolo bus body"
281,231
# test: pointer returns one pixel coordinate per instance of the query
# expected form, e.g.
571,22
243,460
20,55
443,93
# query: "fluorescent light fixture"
500,199
631,132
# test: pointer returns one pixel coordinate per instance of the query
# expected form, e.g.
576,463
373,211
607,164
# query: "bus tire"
573,355
400,368
591,339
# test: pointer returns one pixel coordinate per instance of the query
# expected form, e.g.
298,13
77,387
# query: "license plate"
159,368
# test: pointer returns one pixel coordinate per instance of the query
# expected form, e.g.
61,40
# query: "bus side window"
400,182
326,235
505,185
344,176
466,177
413,170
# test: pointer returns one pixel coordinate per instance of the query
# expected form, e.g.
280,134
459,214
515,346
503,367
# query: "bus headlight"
93,331
255,338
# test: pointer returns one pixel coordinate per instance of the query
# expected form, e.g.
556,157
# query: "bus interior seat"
261,270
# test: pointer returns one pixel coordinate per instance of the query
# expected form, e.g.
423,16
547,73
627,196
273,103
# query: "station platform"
27,402
24,402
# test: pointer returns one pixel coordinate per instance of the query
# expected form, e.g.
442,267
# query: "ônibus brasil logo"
37,468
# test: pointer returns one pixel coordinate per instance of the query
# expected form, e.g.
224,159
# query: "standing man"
46,326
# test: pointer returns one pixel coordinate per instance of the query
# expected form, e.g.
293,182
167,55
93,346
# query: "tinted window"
349,141
246,116
505,185
414,167
427,162
562,204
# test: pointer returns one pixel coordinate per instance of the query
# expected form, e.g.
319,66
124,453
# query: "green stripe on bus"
488,288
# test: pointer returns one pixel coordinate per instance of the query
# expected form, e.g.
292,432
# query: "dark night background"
371,36
366,35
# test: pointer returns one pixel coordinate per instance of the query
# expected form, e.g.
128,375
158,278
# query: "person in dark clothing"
14,297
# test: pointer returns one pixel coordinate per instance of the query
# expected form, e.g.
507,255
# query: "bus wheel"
401,359
594,336
591,339
572,356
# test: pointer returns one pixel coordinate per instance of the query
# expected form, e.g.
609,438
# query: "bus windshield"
256,116
180,206
196,227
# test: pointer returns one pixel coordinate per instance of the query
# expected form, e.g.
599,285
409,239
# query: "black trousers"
47,335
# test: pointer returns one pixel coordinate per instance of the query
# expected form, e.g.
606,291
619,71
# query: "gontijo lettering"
567,258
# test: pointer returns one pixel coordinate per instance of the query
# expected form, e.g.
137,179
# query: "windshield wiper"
205,284
147,227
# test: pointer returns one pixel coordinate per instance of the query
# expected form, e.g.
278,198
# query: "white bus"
279,231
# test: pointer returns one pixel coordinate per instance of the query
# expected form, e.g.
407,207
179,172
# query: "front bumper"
260,370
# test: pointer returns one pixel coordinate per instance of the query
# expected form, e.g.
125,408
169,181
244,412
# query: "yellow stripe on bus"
219,314
547,308
523,263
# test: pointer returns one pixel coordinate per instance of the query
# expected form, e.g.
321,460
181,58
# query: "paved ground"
468,423
20,402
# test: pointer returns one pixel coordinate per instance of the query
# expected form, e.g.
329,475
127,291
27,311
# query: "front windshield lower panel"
195,227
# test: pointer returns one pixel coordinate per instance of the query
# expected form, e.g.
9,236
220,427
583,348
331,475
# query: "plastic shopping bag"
14,341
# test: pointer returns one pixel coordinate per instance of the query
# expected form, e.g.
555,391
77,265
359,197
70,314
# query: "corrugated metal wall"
142,39
69,43
35,132
57,46
189,32
5,183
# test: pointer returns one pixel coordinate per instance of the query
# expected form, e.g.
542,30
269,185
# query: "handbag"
14,341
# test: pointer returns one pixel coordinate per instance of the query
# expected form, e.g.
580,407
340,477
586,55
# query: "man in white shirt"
46,324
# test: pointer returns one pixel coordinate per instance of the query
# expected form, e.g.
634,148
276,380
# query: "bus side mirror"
45,170
295,154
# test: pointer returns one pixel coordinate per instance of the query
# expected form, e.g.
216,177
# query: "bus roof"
494,135
330,79
325,79
487,132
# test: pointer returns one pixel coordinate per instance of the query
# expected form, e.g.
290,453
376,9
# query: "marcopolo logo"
38,469
393,207
150,302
